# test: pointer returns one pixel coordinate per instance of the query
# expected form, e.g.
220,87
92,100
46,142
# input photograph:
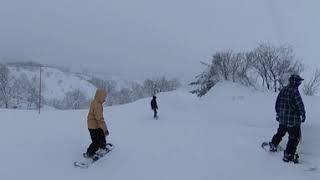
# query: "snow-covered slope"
54,81
215,137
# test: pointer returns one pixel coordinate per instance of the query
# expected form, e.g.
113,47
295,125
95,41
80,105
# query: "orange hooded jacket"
95,115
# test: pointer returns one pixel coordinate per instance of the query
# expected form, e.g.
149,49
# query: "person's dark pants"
294,138
155,115
98,141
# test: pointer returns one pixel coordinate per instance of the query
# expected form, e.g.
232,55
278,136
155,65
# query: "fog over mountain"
151,38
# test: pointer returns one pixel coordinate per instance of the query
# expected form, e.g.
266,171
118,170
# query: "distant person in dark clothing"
290,114
154,107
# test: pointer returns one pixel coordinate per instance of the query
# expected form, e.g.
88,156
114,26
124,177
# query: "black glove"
303,118
106,133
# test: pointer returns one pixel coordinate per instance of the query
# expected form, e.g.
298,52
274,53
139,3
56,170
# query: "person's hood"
295,80
101,95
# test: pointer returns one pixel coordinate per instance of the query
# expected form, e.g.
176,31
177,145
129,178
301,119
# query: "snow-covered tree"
206,80
311,86
25,93
5,86
137,91
75,99
151,87
173,84
108,85
272,64
33,94
162,84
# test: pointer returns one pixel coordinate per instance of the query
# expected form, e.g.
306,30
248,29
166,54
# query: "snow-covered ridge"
63,89
56,82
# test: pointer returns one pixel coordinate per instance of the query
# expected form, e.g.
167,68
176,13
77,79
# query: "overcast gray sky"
140,38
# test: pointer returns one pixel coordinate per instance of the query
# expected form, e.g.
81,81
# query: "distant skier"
154,107
290,114
97,127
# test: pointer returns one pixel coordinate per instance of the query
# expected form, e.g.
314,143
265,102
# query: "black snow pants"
294,138
98,140
155,115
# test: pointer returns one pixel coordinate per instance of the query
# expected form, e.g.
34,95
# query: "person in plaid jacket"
290,114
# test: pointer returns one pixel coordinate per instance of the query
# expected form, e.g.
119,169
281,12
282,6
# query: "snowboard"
306,165
86,162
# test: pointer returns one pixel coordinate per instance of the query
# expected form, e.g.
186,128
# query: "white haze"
150,37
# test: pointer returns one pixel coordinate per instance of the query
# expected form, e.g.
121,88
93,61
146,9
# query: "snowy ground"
215,137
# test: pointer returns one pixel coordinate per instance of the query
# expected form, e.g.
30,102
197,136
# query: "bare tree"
245,70
311,87
274,64
224,63
264,60
236,62
228,64
285,69
269,64
164,84
5,87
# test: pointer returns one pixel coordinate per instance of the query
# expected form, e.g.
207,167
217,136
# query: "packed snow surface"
215,137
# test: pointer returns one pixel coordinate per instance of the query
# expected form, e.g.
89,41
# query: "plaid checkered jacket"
289,106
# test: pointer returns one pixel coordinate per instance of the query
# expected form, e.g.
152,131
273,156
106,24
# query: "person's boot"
288,157
272,147
87,155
